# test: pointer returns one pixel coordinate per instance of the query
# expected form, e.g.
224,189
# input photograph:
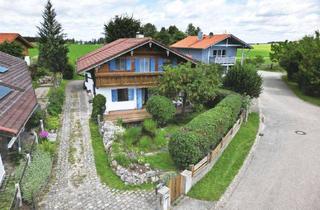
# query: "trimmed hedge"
161,108
98,106
193,141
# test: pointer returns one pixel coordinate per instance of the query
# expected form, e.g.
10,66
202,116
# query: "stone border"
234,184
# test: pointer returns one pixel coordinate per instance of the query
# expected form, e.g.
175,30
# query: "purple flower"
44,134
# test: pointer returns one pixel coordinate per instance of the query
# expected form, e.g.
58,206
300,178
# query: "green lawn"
214,184
258,49
103,168
295,88
161,161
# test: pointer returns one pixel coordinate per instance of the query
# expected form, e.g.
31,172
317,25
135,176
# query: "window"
215,52
145,65
125,94
219,52
4,91
120,64
223,52
3,69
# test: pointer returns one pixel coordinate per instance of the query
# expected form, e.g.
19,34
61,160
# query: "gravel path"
77,185
284,172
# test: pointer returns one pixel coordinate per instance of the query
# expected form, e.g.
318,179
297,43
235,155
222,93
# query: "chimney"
139,36
200,35
210,34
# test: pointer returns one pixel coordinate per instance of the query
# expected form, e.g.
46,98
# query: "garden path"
76,184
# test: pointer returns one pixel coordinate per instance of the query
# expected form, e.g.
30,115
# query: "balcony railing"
222,60
127,79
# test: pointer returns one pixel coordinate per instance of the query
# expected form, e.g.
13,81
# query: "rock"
114,164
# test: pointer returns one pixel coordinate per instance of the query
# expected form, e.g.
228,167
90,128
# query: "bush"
52,122
243,79
145,143
220,94
132,135
122,159
68,72
34,120
160,139
36,175
193,141
98,106
149,127
56,99
161,109
49,147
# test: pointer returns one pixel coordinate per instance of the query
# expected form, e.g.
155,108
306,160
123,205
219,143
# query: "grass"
258,49
103,168
161,161
295,88
214,184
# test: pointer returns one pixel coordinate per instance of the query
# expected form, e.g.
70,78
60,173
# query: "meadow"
258,49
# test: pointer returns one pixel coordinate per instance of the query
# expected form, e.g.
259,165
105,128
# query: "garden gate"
176,187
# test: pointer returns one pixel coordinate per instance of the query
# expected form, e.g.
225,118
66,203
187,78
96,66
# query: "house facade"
15,37
124,70
212,48
17,103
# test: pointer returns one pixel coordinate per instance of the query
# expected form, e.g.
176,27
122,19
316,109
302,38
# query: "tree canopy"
12,48
122,26
52,49
192,30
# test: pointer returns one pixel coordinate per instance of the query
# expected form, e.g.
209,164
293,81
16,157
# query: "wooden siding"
122,79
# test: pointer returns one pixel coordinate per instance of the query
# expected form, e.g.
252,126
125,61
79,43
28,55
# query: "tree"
163,36
192,30
175,34
52,49
121,27
14,49
192,85
149,30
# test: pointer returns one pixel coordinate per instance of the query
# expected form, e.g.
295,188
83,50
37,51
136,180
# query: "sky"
250,20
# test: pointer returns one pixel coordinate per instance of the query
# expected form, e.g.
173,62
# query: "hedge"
161,108
193,141
98,106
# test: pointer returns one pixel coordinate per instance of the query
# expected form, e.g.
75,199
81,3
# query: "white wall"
117,106
2,172
89,84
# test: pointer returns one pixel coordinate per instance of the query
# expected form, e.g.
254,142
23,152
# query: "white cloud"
250,20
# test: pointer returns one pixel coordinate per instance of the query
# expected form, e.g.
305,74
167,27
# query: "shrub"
149,127
220,94
161,109
68,72
36,174
48,147
160,139
34,120
52,122
56,99
243,79
145,143
132,135
98,106
193,141
122,159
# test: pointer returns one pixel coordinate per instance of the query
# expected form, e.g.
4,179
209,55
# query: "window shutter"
112,65
137,64
128,64
130,94
160,64
152,64
114,94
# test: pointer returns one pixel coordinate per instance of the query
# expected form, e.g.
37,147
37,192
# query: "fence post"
187,178
19,197
35,137
192,169
163,198
28,158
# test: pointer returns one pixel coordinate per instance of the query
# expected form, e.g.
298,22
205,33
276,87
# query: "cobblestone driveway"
77,185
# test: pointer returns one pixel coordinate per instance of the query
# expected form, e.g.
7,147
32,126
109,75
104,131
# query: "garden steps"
128,116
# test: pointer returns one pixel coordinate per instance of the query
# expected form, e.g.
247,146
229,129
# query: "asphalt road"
285,169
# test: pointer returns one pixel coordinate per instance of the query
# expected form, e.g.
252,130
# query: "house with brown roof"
15,37
17,102
212,48
125,69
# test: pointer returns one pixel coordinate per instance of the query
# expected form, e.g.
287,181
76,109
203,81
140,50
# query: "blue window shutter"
152,64
114,94
160,64
128,64
139,98
130,94
112,65
137,64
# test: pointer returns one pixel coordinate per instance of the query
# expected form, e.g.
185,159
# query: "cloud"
250,20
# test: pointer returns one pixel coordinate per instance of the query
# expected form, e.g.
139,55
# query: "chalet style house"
212,48
124,69
17,103
15,37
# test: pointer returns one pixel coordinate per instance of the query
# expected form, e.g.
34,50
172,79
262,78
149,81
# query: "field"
75,51
258,49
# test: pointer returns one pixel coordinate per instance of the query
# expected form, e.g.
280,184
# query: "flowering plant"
43,134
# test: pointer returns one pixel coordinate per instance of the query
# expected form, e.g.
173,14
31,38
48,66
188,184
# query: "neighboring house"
17,102
15,37
124,70
212,48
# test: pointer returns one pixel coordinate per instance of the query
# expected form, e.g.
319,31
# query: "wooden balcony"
128,116
223,60
118,79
